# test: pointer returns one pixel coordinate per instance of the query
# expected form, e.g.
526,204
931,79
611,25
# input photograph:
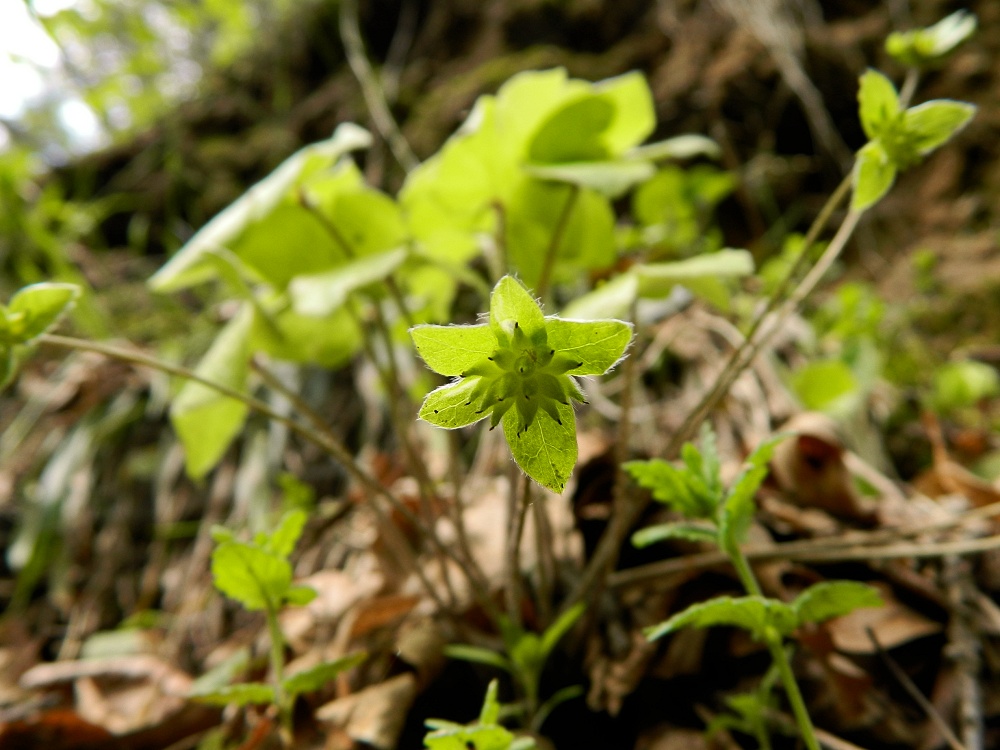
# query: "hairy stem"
278,673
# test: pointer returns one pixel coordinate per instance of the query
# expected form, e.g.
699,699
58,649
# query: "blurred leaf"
317,677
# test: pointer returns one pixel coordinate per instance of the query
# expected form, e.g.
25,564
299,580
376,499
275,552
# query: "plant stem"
774,644
542,288
278,674
515,530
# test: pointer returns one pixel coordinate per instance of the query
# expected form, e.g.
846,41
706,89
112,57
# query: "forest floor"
110,612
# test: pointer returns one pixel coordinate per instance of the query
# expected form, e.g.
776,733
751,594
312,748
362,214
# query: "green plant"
485,733
723,516
525,658
258,575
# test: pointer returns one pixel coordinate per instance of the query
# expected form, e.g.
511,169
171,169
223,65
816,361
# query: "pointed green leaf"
243,694
317,677
449,407
921,47
739,505
691,532
510,303
597,344
35,309
320,294
873,175
752,613
669,485
932,123
554,632
878,103
477,655
290,527
451,350
547,450
829,599
254,577
686,146
206,421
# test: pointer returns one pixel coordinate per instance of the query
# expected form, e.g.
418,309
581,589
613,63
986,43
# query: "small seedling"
525,658
724,516
258,575
484,734
32,311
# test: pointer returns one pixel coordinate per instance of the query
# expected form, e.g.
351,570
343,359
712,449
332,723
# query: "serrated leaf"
206,421
873,175
669,485
449,406
609,178
739,506
320,294
828,599
282,541
597,344
691,532
878,103
255,578
317,677
510,302
243,694
932,123
477,655
547,450
451,350
35,309
752,613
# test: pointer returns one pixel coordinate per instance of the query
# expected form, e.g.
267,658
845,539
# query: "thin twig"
518,510
914,692
546,560
542,288
385,124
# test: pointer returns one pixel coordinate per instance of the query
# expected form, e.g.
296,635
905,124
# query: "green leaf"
686,146
317,677
669,485
299,596
922,47
614,298
878,103
702,275
282,540
205,420
753,613
873,175
490,712
739,506
511,303
255,578
451,405
554,632
829,599
692,532
188,267
243,694
609,178
320,294
823,384
476,737
634,113
574,132
477,655
932,123
329,341
35,309
546,451
963,384
597,344
451,350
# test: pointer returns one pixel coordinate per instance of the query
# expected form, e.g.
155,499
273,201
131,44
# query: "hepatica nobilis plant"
519,369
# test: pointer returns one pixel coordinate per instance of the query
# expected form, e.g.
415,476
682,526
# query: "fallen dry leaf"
893,625
375,715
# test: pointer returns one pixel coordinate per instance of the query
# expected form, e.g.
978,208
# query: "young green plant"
258,575
486,733
723,516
